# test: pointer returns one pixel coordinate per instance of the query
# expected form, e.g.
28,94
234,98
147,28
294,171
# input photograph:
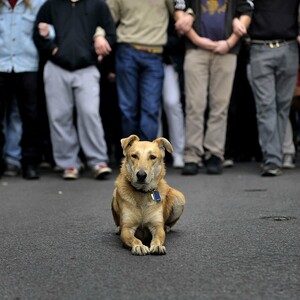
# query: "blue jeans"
12,126
139,78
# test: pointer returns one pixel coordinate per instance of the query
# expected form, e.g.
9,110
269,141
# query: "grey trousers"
274,75
66,92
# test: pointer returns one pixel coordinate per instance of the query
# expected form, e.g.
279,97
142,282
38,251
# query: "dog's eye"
134,156
152,157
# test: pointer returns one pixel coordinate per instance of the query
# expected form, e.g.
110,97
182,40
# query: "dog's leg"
115,209
177,201
158,239
130,241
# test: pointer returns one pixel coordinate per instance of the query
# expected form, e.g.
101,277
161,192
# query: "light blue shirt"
17,50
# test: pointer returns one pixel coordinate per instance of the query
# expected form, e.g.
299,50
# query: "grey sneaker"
101,171
71,174
270,170
288,161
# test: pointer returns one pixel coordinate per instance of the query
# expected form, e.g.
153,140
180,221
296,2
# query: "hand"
111,77
102,46
184,24
43,29
222,47
238,27
54,51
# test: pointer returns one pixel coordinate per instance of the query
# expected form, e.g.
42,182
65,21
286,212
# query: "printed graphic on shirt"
213,19
214,6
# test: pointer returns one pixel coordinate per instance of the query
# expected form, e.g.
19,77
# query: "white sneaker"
200,164
288,161
178,162
101,171
228,163
71,174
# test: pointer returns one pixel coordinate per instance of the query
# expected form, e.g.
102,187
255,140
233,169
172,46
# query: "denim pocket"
27,23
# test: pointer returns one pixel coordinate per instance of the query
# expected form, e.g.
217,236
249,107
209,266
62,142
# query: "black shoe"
214,165
270,170
1,167
31,172
190,169
11,170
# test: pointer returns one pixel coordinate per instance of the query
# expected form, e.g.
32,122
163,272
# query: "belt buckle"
274,44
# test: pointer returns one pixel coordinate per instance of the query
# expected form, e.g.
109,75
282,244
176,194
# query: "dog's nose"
141,175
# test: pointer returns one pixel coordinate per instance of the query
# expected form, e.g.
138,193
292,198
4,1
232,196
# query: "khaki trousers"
208,83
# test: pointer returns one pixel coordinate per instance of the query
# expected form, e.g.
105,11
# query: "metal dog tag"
155,196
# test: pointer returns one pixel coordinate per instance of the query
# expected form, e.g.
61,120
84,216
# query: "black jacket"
74,25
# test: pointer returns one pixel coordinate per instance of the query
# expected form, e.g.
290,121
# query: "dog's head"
144,161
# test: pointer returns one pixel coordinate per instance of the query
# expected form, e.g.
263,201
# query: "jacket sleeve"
44,45
245,7
107,23
180,5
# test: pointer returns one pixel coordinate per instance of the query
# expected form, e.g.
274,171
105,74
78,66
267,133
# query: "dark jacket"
235,8
276,19
74,25
175,48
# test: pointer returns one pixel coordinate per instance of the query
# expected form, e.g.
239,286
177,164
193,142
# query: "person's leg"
13,133
6,94
273,89
288,148
264,90
286,78
60,107
196,72
221,81
46,159
127,76
150,85
174,112
27,96
89,125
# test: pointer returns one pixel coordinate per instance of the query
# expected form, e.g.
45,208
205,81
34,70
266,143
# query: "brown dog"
144,206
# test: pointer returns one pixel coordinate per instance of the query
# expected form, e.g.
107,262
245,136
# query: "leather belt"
271,43
147,49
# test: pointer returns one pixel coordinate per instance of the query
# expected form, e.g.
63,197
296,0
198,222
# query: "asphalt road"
238,238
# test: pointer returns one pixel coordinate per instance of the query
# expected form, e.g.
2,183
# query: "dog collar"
155,195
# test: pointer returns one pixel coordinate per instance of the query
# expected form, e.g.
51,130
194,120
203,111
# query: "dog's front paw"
158,249
140,250
118,230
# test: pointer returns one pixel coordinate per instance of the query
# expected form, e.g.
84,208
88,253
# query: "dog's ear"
127,142
164,144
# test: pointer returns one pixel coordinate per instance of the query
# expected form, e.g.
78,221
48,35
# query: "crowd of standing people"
76,76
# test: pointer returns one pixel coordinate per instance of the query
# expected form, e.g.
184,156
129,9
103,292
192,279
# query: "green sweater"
142,22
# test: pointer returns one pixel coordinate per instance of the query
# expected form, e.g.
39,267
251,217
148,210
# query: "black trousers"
24,87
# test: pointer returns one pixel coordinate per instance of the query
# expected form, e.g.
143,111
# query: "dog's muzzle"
141,176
